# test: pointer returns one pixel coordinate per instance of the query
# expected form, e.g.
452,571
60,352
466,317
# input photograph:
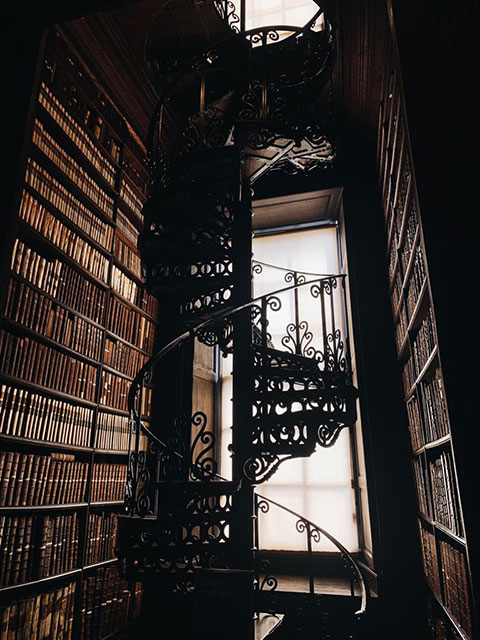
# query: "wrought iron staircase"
244,105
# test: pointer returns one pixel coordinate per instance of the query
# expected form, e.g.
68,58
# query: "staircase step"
307,416
266,623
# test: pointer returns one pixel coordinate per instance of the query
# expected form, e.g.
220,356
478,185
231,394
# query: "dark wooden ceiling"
115,40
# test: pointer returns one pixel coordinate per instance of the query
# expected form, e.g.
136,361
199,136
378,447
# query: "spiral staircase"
234,105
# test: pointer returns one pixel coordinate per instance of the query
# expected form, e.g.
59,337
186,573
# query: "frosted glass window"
262,13
319,487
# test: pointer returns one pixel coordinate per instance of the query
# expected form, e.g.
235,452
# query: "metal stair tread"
266,623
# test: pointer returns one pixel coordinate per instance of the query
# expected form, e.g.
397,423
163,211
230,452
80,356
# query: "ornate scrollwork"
228,13
327,434
298,337
262,467
204,466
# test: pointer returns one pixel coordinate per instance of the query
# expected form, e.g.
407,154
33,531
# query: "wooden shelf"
421,296
17,276
60,136
130,213
455,624
107,503
116,372
50,342
115,336
82,125
33,237
128,273
39,156
442,528
111,452
431,359
132,184
36,584
432,445
103,563
21,441
126,241
134,306
46,390
45,507
69,223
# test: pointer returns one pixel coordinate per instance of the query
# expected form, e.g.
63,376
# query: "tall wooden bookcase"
76,325
441,529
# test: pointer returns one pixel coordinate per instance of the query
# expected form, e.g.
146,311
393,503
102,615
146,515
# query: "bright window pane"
318,487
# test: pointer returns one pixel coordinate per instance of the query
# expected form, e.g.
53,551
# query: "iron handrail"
335,542
290,270
214,317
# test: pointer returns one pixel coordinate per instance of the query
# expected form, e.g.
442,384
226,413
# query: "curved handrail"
220,315
335,542
187,67
361,580
289,270
214,317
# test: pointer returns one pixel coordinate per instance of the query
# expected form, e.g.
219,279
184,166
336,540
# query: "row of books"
430,559
112,432
415,424
50,147
121,357
424,498
403,186
41,314
33,548
397,292
434,408
114,391
411,229
70,206
130,325
408,375
132,292
60,281
439,627
105,603
412,218
70,80
76,133
401,327
108,482
424,341
130,259
101,536
392,261
26,414
46,616
416,281
28,479
455,585
446,506
30,360
67,240
133,166
134,202
437,490
128,229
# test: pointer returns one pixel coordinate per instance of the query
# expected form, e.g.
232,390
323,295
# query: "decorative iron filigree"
298,337
204,466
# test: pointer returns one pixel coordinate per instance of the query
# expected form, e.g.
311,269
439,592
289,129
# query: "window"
319,487
261,13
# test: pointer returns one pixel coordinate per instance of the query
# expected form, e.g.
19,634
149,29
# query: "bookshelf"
76,326
441,530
